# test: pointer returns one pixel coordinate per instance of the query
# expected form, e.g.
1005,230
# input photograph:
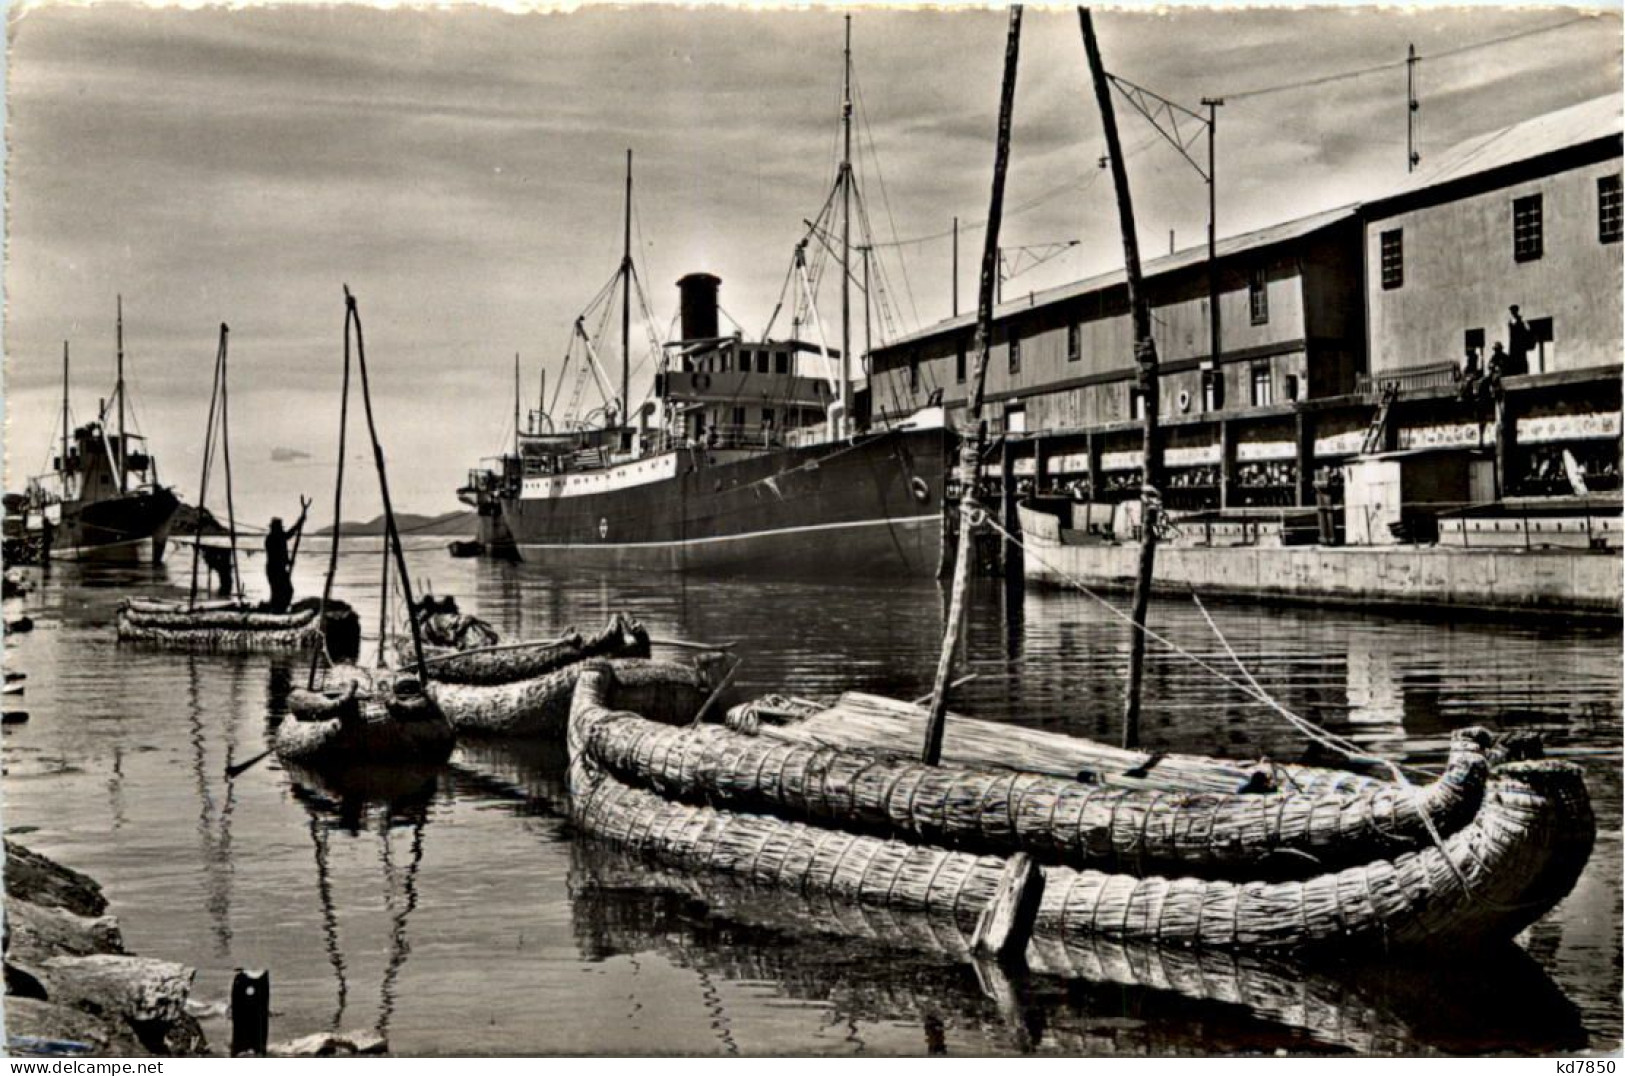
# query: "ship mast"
846,234
123,448
62,467
626,303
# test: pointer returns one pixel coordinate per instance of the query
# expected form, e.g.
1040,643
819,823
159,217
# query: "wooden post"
1305,492
1007,505
1006,923
970,446
1145,357
250,1012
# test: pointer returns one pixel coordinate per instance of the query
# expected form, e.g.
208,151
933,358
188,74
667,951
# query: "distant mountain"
459,524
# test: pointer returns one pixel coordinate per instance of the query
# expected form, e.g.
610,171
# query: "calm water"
457,912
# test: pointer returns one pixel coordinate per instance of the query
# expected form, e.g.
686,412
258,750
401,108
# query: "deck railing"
1408,379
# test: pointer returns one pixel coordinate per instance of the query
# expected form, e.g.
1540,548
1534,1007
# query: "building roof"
1168,263
1532,139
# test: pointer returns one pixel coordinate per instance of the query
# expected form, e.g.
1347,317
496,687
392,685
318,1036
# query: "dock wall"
1501,581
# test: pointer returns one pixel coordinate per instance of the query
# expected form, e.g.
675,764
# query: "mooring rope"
1314,732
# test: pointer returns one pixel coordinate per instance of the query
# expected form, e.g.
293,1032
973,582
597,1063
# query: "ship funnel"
699,302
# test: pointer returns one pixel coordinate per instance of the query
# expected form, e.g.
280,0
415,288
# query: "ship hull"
869,507
131,527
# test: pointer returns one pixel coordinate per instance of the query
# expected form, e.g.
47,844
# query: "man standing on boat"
278,564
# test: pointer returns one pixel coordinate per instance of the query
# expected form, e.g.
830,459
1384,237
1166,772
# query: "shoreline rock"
71,988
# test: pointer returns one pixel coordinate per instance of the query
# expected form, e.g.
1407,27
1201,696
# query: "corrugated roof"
1533,138
1168,263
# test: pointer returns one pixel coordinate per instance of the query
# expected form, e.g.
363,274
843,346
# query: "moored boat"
1516,857
102,500
354,719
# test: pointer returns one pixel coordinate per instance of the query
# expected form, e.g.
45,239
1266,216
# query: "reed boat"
1517,855
1061,820
524,688
474,655
353,720
540,705
230,625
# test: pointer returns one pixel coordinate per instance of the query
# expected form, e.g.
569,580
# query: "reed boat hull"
1519,855
867,507
362,727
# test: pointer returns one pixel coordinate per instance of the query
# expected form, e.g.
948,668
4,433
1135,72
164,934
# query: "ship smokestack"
699,305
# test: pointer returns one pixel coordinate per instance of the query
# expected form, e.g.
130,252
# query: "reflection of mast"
214,847
398,945
330,921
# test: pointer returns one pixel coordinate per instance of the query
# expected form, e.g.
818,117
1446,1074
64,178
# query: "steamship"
756,464
102,500
751,456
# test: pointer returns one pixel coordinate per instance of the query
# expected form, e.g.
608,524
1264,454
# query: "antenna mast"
846,234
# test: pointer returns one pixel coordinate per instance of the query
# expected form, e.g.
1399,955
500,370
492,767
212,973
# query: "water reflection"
363,803
1094,997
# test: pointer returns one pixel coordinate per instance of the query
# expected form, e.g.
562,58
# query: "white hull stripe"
80,552
905,522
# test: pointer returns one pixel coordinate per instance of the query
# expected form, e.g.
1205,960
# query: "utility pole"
1412,157
64,468
956,267
1145,356
1212,104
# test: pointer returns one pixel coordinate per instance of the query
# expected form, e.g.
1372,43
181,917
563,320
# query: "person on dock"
278,564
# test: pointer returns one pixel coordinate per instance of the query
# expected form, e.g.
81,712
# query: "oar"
684,644
243,767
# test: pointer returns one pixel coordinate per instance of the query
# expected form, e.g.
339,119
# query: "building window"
959,364
781,362
1136,404
1473,349
1263,387
1074,343
1258,298
914,374
722,362
1608,209
761,362
1393,259
1212,390
739,417
1292,387
1015,354
1527,233
1015,420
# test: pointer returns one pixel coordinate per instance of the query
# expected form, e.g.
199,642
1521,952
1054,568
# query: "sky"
462,171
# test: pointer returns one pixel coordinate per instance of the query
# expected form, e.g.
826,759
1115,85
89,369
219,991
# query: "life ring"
1184,400
702,382
920,489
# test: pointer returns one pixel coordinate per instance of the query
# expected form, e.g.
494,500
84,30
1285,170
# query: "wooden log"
1006,923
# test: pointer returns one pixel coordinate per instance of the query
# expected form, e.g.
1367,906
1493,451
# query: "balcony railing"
1408,379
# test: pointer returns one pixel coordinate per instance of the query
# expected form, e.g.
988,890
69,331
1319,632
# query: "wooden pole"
626,307
970,446
338,498
225,457
391,534
1145,357
208,457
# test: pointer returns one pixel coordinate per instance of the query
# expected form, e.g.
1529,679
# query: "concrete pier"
1557,582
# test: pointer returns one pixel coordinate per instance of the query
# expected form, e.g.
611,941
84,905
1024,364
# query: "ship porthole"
921,491
702,382
1184,400
603,527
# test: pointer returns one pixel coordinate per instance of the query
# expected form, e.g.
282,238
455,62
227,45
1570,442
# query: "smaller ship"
101,499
